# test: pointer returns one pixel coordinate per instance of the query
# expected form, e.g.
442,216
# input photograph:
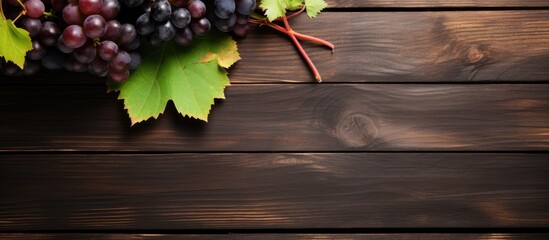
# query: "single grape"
136,60
179,3
95,26
38,50
165,31
54,59
107,50
144,25
61,46
201,26
184,37
133,45
98,66
49,33
161,10
72,14
242,19
225,25
35,8
58,5
31,67
197,8
224,8
241,29
73,65
119,75
110,9
245,7
121,61
147,7
154,40
89,7
133,3
113,30
127,34
74,37
86,53
181,18
32,25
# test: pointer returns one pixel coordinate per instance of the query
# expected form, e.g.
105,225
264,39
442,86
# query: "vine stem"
2,10
298,35
301,50
23,12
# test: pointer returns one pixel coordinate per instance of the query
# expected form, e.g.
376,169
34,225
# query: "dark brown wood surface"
432,123
289,117
491,236
273,190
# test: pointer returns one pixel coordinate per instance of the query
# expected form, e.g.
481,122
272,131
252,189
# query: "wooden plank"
435,3
279,236
273,190
297,117
467,46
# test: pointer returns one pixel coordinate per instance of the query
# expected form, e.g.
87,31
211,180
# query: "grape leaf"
192,77
277,8
14,42
313,7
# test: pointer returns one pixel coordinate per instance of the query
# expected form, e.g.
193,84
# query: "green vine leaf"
14,42
192,77
313,7
277,8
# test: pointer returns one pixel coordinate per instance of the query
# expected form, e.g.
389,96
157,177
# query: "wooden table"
432,123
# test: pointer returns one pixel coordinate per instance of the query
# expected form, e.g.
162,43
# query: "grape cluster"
83,36
180,21
233,15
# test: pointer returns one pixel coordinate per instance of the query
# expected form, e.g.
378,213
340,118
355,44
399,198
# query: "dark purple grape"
107,50
127,34
73,65
225,25
133,45
144,25
147,7
119,75
35,8
245,7
31,67
74,37
184,37
38,50
242,19
136,60
179,3
197,9
181,18
223,8
10,69
61,46
201,26
241,29
72,15
165,31
110,9
133,3
161,10
54,59
154,40
86,53
113,30
32,25
89,7
121,61
58,5
98,66
95,26
49,33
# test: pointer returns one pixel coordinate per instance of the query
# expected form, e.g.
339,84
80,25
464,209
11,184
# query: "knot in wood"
474,55
357,129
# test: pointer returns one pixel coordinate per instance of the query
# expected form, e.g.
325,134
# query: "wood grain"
463,46
273,190
434,3
298,117
414,236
